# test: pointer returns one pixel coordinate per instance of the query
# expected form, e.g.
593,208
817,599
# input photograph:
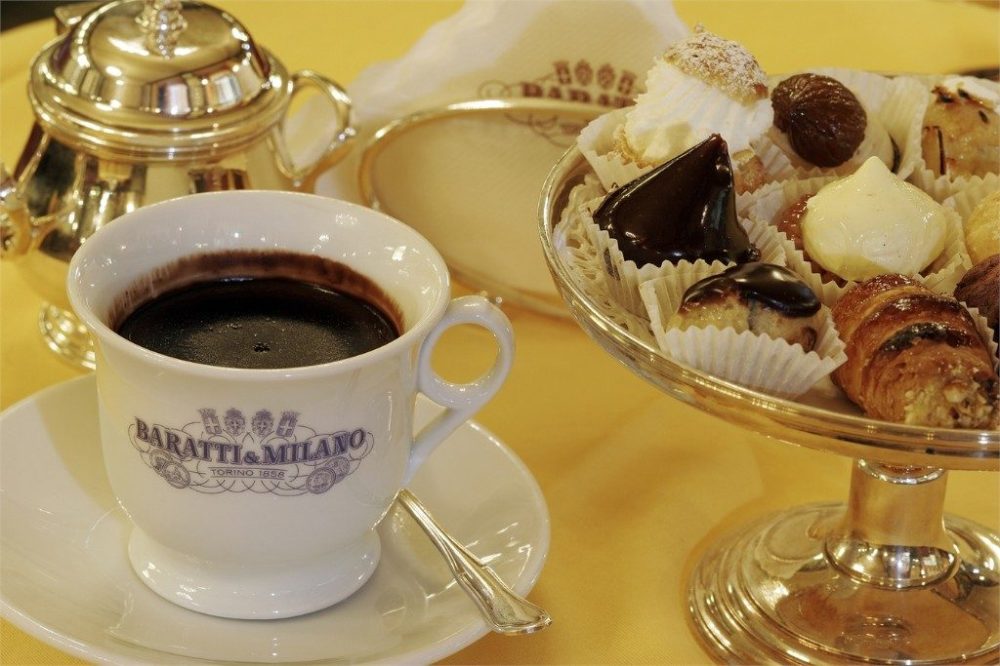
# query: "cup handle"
341,142
460,401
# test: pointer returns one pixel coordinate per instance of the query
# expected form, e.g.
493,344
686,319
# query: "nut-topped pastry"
822,127
684,210
823,120
761,298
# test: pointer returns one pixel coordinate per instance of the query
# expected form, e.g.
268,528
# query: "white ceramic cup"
255,493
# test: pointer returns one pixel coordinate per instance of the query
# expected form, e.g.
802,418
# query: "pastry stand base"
865,582
65,335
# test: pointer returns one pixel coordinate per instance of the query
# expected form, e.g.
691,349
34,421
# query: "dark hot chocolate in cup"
258,310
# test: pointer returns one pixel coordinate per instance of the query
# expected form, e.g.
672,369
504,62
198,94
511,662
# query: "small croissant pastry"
914,356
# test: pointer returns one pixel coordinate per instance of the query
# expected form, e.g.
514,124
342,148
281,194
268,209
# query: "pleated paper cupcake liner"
984,241
965,202
597,143
679,110
986,332
902,115
573,243
943,187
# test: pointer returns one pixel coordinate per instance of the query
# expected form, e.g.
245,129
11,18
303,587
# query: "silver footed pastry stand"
884,578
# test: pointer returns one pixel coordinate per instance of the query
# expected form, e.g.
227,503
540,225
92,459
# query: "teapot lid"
157,79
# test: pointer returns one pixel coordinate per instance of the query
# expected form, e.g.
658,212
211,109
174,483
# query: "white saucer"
65,577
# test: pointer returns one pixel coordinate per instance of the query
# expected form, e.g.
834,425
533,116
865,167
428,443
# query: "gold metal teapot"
139,101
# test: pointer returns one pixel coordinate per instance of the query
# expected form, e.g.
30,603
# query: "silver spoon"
504,610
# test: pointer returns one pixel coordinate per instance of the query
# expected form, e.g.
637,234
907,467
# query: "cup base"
236,591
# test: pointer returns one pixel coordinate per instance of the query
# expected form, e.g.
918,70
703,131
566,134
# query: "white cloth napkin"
515,48
472,185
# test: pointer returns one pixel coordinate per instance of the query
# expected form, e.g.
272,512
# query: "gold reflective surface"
137,102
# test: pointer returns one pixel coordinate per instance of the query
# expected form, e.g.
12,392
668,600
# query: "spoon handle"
503,609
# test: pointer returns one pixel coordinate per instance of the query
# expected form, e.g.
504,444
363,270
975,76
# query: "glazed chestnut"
824,121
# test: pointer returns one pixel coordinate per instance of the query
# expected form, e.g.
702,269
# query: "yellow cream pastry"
700,86
982,229
872,222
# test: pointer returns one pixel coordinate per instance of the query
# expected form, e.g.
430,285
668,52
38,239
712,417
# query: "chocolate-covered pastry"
824,121
980,289
684,209
762,298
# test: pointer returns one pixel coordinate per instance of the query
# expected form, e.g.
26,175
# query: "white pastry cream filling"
678,111
872,222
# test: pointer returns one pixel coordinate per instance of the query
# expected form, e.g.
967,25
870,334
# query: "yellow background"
637,484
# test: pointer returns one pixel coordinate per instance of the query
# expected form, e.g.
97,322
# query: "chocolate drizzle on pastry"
685,209
925,330
773,286
824,121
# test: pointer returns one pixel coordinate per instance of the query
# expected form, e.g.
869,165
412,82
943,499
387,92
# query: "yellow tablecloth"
637,483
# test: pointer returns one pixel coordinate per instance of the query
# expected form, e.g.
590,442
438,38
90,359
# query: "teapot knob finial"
163,23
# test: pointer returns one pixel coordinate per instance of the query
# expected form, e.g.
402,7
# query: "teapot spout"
15,226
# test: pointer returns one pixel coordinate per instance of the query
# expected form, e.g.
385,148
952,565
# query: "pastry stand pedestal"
885,578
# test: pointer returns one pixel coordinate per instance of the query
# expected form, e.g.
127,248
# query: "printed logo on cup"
216,455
